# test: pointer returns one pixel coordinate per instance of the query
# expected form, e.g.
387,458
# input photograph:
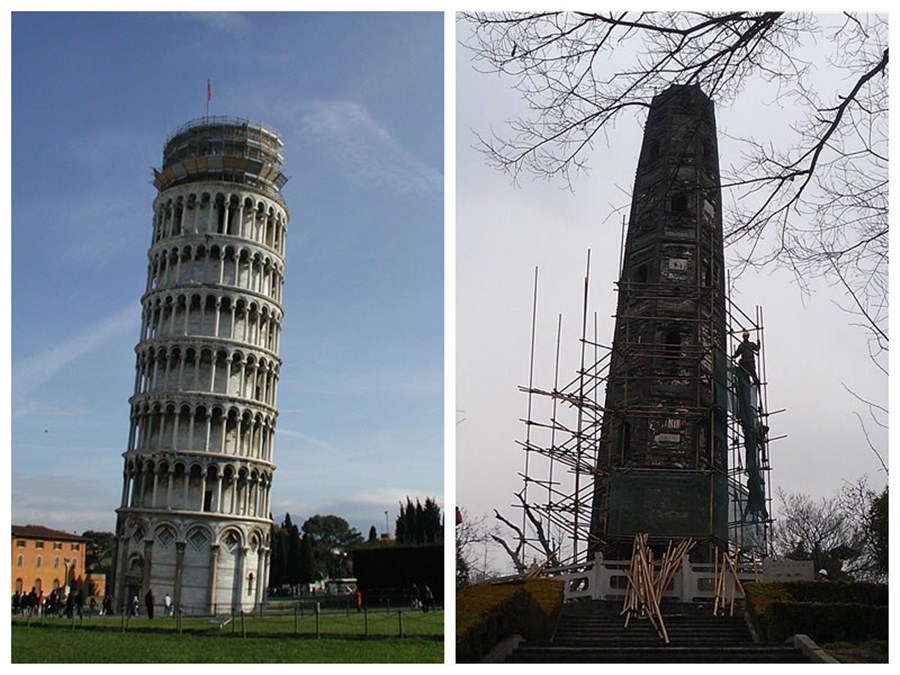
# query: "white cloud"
309,443
365,149
37,369
224,22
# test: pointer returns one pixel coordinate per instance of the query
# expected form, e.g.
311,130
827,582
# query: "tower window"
625,439
640,274
678,202
673,342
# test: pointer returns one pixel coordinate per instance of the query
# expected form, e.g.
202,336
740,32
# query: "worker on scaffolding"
746,355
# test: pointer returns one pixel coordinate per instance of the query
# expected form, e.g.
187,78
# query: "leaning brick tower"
662,455
194,515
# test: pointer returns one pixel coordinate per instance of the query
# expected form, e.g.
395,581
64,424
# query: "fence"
299,619
693,582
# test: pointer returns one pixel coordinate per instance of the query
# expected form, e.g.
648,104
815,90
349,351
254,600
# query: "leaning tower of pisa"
194,515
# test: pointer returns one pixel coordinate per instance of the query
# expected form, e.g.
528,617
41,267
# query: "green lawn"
269,640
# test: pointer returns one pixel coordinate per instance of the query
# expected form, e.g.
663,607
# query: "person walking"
79,603
148,601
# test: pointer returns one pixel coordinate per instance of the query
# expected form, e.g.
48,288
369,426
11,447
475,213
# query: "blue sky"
358,99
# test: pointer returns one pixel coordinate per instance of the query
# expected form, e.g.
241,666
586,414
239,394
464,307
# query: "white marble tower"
194,516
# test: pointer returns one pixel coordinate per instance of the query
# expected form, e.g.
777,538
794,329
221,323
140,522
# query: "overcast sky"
358,100
505,231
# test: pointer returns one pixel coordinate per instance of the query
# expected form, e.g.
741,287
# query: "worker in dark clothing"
746,356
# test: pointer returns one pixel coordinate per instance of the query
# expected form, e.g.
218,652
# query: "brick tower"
194,515
661,462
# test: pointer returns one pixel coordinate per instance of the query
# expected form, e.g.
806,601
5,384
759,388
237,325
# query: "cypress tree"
307,572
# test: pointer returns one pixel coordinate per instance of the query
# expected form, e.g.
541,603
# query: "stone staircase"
594,632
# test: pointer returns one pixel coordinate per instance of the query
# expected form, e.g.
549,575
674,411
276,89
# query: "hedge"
400,567
826,611
488,613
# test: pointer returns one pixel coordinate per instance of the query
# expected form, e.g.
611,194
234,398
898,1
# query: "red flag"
208,91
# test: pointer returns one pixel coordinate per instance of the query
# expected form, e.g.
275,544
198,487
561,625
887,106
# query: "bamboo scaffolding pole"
653,610
646,586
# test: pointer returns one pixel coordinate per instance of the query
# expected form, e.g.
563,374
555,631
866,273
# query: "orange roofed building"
44,559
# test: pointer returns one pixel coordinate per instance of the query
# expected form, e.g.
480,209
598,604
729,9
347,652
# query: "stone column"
169,479
219,488
125,482
179,572
241,574
175,429
193,417
214,356
213,564
265,555
218,314
187,483
203,472
131,432
208,429
198,358
148,564
224,431
178,253
155,485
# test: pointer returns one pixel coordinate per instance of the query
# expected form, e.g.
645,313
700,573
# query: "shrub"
488,613
827,622
826,611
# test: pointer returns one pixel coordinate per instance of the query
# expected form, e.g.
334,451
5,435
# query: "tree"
817,205
470,533
810,530
419,524
331,539
277,563
844,534
877,526
293,562
307,561
373,534
100,551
